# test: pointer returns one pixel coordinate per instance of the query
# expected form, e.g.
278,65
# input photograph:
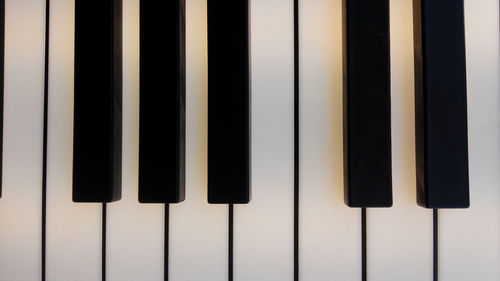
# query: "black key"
2,70
441,104
228,101
98,101
367,104
162,101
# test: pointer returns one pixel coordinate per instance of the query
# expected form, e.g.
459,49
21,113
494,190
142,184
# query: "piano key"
263,233
162,102
98,93
198,231
138,226
441,104
228,101
400,238
73,230
367,104
2,68
330,247
470,239
20,220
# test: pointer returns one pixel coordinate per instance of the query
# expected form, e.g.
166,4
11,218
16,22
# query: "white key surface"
330,231
198,231
400,238
73,230
20,205
263,231
470,239
135,231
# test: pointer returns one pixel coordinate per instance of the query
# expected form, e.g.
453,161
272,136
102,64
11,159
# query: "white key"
330,231
198,231
20,206
400,238
135,231
469,239
73,230
264,228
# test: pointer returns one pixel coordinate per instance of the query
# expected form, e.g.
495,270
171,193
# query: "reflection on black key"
162,101
228,101
98,101
367,105
441,104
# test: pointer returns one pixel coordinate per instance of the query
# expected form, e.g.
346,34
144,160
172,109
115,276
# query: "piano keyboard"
399,239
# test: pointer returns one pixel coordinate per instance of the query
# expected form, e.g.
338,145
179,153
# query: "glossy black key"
441,104
162,101
2,70
367,105
228,101
98,101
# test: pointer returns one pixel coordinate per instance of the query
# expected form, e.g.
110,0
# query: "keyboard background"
399,238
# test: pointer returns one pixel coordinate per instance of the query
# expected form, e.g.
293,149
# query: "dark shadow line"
230,243
166,242
296,139
45,138
103,247
435,245
364,256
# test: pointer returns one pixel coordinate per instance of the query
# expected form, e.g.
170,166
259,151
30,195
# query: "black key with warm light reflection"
162,101
441,104
228,101
367,104
97,146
